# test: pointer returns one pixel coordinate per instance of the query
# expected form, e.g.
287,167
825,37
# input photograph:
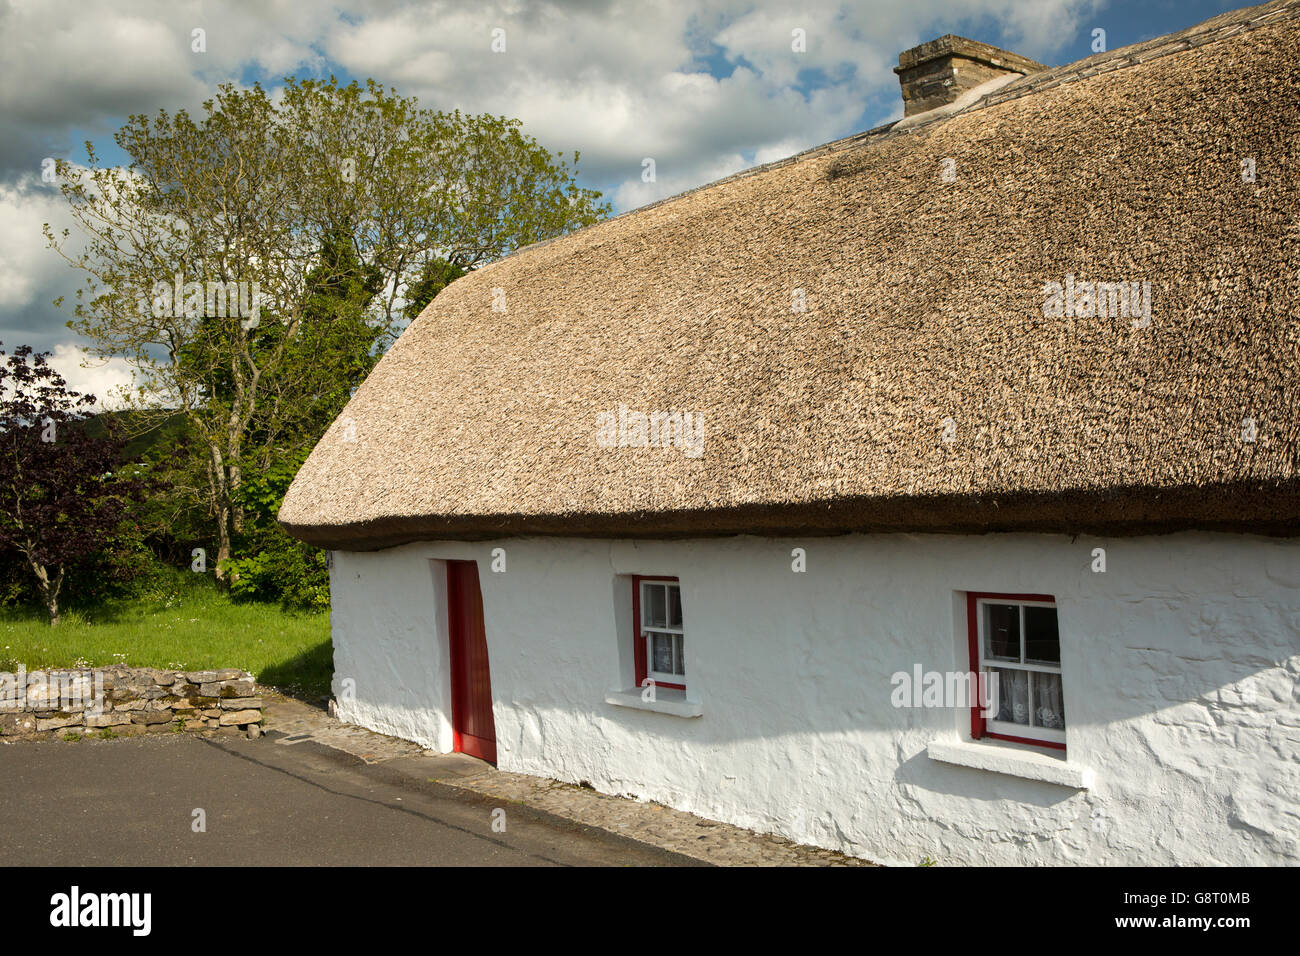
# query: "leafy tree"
328,204
436,275
272,565
60,500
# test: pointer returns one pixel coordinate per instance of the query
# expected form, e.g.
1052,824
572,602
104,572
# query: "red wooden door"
471,683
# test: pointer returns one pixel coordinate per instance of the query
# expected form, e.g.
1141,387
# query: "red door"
473,732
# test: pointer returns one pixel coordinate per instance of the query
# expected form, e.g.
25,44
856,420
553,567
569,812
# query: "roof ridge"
1123,57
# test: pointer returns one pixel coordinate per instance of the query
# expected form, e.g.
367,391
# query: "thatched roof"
924,300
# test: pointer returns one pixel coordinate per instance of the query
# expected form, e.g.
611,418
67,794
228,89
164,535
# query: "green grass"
183,624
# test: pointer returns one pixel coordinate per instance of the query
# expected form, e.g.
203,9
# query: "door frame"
460,686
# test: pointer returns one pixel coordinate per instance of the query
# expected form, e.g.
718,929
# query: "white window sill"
667,701
1012,761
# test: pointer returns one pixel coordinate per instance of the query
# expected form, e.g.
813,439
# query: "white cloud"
636,192
106,379
624,81
609,79
27,266
705,92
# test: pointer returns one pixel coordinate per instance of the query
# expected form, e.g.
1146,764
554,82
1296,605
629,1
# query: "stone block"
238,717
107,720
236,688
57,723
42,696
13,724
242,703
151,717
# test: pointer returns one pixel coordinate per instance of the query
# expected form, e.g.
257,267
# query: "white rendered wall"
388,618
1180,667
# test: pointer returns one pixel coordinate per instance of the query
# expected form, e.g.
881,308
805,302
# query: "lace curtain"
1014,698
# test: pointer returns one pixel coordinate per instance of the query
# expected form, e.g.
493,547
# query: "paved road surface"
131,801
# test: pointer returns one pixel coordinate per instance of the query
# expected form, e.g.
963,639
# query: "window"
1015,637
660,636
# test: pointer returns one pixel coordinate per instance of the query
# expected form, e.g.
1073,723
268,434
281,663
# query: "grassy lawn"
185,624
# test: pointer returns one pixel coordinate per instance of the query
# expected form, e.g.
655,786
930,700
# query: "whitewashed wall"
1181,668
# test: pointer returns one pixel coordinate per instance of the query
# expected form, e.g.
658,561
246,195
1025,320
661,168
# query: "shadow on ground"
305,676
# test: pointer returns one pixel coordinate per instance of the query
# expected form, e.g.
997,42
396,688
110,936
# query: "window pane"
1013,695
661,653
681,655
1049,708
1002,632
653,613
1042,640
674,606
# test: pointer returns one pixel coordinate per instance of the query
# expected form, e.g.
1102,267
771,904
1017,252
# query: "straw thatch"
924,302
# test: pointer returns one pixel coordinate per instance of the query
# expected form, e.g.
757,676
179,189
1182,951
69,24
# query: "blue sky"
704,89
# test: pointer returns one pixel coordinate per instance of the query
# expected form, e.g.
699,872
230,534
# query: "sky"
704,88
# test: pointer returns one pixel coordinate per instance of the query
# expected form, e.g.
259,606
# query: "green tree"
266,563
436,275
313,214
270,565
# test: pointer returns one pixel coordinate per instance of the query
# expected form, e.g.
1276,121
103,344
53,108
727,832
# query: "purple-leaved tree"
59,496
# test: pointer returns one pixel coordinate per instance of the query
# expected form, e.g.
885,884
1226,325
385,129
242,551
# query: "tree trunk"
236,512
219,483
48,589
235,473
223,547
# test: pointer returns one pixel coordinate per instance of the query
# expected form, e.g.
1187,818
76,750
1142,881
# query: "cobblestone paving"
652,823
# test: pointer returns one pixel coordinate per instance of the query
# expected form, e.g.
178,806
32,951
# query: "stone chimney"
935,74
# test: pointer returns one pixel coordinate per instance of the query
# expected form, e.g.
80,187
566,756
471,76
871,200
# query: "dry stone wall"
108,701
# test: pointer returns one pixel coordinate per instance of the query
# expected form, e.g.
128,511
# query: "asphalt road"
131,801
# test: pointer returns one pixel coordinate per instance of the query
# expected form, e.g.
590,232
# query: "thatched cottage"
721,502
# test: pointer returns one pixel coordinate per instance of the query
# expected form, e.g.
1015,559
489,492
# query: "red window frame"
978,730
638,639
